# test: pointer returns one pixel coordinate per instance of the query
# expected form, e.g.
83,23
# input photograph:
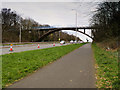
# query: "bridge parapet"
62,28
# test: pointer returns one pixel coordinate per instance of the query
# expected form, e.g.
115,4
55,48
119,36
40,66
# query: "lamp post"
21,27
20,32
59,35
76,22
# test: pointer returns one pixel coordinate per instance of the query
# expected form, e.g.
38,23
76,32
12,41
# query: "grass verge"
107,67
15,66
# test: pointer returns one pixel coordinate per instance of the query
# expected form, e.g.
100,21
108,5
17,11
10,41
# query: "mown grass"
15,66
107,68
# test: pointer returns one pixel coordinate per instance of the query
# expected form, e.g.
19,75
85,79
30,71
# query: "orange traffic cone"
11,49
54,44
38,45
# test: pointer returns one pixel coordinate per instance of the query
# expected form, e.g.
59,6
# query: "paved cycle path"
74,70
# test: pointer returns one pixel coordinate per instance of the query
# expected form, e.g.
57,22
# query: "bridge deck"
62,28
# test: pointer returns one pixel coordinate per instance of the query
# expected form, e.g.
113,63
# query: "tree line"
107,19
12,22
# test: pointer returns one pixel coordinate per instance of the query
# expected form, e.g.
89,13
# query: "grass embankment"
107,67
15,66
111,43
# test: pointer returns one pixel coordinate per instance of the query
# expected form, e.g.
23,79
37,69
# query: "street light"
20,36
59,35
21,27
20,32
76,22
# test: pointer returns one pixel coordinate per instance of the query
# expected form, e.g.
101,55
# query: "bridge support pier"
84,30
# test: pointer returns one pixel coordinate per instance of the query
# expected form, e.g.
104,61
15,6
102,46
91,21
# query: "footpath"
74,70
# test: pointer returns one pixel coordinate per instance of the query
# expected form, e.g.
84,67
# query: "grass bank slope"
107,67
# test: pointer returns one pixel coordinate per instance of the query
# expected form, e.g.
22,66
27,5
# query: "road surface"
74,70
20,48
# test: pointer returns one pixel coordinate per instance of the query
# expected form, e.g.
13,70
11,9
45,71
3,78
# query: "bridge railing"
64,27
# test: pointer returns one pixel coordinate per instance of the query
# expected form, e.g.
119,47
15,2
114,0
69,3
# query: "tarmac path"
74,70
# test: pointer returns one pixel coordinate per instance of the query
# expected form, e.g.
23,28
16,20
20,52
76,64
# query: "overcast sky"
55,13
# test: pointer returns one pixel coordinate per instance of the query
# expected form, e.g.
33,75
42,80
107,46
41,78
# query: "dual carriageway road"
27,47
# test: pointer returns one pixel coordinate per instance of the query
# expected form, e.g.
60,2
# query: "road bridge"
54,29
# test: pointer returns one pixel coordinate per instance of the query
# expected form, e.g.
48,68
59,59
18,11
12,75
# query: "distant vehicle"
75,41
71,41
62,42
80,41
